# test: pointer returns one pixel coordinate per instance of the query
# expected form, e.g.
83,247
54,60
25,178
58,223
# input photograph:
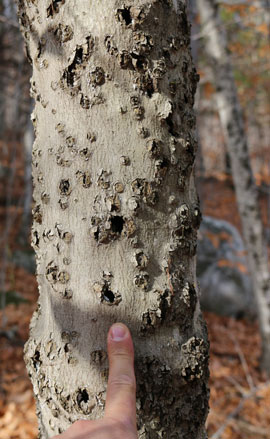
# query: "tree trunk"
265,12
233,126
116,211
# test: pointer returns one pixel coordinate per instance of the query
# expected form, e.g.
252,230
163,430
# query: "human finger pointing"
121,390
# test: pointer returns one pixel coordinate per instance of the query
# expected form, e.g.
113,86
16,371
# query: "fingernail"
118,332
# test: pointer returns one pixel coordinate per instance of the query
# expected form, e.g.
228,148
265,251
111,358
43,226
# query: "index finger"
121,390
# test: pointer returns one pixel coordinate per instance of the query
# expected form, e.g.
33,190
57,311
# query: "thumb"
121,390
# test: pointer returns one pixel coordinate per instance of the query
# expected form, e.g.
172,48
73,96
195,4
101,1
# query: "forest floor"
240,393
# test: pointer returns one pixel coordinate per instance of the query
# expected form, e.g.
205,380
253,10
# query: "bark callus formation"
116,211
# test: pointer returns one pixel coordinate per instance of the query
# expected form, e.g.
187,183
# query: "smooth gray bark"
116,211
233,126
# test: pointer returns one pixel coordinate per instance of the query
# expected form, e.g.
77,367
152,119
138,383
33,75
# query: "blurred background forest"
240,391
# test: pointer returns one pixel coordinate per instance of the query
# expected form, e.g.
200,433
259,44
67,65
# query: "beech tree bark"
116,211
233,126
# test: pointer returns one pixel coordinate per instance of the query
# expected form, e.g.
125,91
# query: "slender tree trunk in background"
233,126
265,6
14,69
116,211
11,96
199,166
2,103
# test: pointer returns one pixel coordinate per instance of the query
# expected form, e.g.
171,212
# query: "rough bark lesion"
104,290
71,78
54,8
107,228
61,33
157,419
153,318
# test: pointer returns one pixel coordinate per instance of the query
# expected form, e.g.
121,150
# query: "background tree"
265,6
233,126
116,211
14,102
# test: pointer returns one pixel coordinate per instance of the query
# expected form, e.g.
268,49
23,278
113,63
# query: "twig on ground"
243,362
238,386
237,410
255,430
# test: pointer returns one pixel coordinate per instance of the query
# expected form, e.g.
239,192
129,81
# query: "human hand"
119,421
